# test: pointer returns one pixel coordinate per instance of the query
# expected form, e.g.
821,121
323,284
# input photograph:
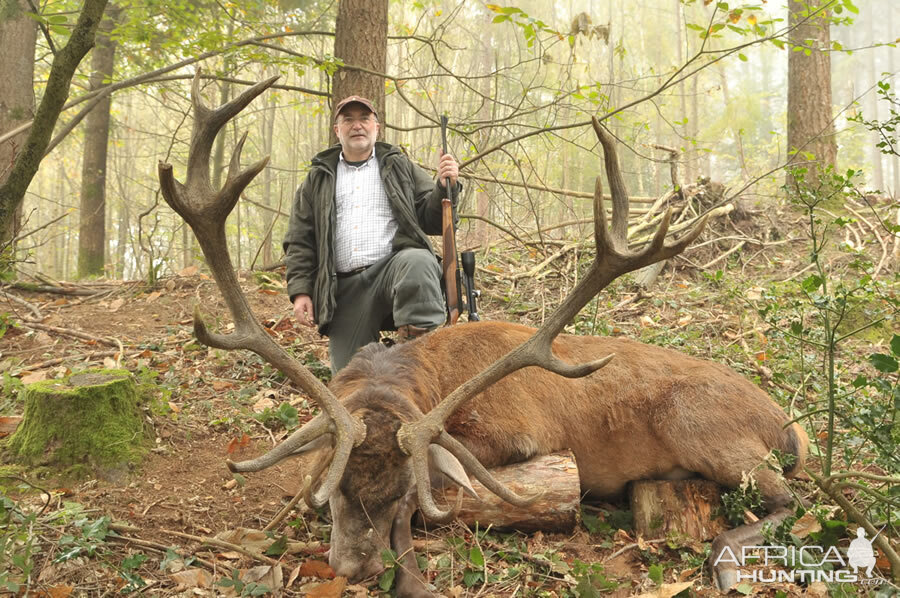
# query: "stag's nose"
355,573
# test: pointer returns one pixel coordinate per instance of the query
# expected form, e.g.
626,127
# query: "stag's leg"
410,581
778,501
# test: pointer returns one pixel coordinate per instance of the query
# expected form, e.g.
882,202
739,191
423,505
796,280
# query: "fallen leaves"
667,590
238,443
329,589
191,578
8,424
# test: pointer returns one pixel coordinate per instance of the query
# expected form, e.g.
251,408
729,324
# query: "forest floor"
153,531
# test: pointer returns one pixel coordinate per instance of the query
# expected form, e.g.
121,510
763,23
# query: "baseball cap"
354,100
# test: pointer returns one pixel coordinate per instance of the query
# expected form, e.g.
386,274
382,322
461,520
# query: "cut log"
556,511
89,423
683,507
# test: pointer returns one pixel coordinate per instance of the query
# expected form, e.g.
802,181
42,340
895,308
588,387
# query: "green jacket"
309,244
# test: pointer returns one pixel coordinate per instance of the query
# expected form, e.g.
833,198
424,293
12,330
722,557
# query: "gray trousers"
405,285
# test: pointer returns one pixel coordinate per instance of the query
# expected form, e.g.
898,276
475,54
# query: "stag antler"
613,259
206,210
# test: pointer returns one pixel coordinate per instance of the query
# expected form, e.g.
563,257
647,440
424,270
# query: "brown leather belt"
353,272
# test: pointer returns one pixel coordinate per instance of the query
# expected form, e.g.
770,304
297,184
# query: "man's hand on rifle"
303,310
447,169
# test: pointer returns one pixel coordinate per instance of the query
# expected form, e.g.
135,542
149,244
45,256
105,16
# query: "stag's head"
380,453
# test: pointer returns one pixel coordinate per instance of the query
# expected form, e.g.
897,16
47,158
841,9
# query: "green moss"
90,421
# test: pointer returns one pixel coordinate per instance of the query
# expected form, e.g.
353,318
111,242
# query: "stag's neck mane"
397,372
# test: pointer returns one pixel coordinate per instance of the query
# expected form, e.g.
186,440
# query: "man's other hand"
303,310
447,169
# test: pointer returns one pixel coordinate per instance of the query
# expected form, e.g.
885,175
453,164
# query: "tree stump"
556,511
89,423
683,507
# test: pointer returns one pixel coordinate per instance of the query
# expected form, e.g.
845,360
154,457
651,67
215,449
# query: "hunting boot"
408,332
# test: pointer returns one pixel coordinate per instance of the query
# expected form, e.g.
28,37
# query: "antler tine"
481,473
617,190
206,210
317,427
207,123
419,457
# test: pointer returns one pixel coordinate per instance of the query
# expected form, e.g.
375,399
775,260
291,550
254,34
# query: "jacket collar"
328,159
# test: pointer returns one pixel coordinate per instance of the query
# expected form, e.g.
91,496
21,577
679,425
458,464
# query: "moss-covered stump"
89,423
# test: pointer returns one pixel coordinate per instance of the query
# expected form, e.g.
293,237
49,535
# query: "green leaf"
812,283
895,345
278,547
471,578
387,579
476,557
883,363
134,561
742,57
745,588
500,18
655,573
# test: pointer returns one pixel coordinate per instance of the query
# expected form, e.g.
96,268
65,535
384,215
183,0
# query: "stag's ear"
445,467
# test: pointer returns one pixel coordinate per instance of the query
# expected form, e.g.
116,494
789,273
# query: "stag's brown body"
651,413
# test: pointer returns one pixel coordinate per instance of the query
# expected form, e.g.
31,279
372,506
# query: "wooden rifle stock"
448,233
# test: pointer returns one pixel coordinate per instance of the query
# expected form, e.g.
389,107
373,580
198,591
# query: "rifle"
452,283
448,233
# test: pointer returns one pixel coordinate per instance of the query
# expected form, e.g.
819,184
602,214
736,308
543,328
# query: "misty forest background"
519,82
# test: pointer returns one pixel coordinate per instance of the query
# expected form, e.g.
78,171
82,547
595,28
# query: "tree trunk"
18,34
892,67
92,225
87,423
267,123
556,511
684,507
877,179
66,60
810,129
360,39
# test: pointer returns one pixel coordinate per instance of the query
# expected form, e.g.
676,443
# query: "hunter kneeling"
358,257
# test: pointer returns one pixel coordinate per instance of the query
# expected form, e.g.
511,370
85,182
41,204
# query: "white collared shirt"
365,223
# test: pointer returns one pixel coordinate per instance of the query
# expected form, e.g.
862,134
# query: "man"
357,252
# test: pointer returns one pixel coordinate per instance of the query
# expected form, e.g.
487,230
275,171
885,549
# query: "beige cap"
354,100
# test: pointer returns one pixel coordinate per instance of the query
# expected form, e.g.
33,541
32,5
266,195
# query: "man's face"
356,129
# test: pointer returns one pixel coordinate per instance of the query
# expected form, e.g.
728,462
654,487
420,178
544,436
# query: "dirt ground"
182,494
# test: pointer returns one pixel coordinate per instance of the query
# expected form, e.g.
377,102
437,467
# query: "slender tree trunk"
360,39
810,129
267,123
18,34
66,60
892,67
92,226
877,180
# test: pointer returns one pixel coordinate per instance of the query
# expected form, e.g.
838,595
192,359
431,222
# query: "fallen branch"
73,333
82,356
57,290
724,255
32,308
223,544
